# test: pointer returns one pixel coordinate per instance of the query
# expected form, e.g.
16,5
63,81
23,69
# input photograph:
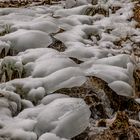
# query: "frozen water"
58,117
29,108
26,39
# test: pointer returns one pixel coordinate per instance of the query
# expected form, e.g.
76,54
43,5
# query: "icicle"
3,78
9,73
19,68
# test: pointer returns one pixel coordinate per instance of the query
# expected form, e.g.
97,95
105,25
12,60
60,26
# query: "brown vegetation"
24,3
137,13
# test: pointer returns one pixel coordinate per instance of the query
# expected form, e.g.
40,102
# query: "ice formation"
32,69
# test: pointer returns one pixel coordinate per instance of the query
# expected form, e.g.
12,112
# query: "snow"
45,26
78,50
29,108
121,88
46,100
50,136
22,135
120,60
5,45
43,68
72,77
11,101
109,73
30,113
30,55
26,39
78,33
36,94
9,64
54,116
80,10
70,3
58,117
69,22
26,104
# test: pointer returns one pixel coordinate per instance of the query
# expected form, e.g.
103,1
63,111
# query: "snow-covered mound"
22,40
50,136
58,117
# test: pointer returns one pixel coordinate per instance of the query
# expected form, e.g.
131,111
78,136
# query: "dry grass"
137,13
14,4
25,3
